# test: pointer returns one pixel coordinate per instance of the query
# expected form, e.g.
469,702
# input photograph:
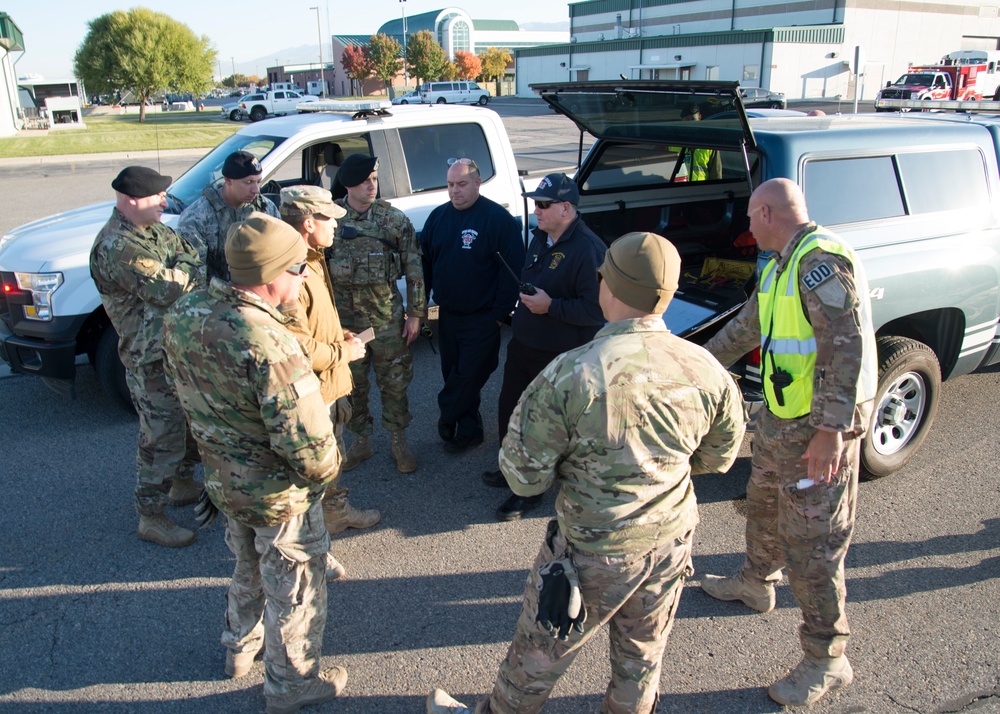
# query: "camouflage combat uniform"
316,324
139,273
364,271
205,224
808,530
623,449
267,441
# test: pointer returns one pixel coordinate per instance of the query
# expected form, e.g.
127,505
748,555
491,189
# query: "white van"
453,93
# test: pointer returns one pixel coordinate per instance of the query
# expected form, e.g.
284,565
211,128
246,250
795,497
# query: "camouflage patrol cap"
260,248
304,201
642,270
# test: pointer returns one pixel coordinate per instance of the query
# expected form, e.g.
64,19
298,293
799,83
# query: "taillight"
753,358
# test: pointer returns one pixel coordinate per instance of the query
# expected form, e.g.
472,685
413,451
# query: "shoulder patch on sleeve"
817,276
305,386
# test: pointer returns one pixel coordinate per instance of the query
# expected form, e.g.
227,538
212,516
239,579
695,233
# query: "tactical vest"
788,343
371,256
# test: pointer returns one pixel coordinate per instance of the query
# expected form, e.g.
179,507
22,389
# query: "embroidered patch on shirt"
817,276
305,386
468,237
556,259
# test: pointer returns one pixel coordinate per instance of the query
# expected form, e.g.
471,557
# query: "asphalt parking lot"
92,619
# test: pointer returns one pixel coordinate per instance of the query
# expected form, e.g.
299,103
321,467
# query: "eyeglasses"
546,204
464,162
296,268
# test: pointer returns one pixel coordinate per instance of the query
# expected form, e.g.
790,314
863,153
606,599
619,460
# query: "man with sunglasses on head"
461,241
374,246
562,312
257,412
206,221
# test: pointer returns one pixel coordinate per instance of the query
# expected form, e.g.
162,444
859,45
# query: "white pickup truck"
50,311
260,105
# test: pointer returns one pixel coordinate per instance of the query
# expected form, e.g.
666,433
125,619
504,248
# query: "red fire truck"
965,76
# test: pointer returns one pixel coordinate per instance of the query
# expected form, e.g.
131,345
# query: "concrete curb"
110,156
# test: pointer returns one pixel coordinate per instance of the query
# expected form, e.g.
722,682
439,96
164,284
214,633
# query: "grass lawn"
180,130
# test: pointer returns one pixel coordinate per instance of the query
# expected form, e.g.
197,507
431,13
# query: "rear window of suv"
855,189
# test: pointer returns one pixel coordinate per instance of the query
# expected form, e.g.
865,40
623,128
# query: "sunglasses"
546,204
296,268
463,162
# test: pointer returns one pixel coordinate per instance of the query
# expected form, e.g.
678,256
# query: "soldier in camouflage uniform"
819,371
374,246
621,423
206,221
310,210
140,267
264,431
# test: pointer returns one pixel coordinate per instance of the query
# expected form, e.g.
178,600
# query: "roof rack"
358,109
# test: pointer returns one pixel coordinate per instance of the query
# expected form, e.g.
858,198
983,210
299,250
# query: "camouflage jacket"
622,422
316,323
139,273
253,402
834,315
364,269
205,224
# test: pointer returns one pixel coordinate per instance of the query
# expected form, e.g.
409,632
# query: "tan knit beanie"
260,248
642,270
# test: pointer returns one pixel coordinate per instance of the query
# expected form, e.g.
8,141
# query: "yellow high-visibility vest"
788,342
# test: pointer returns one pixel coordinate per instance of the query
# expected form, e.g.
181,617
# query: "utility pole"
319,35
406,72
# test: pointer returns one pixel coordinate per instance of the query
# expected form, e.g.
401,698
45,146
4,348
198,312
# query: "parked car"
453,93
408,98
886,184
232,111
762,98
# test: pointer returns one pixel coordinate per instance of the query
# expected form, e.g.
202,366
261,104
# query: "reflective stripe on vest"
698,164
792,343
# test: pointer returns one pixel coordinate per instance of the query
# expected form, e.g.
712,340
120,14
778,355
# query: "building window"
751,72
460,40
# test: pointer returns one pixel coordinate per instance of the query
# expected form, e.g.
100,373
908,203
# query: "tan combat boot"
361,450
325,687
239,664
184,491
813,678
338,516
405,463
440,702
334,568
756,597
161,530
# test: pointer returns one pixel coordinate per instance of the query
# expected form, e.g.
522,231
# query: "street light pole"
406,72
319,35
233,59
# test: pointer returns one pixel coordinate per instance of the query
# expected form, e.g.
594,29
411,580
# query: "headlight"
41,286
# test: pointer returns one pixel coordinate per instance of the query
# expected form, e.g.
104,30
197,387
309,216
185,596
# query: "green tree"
143,52
424,56
356,61
236,80
386,56
495,61
469,65
450,72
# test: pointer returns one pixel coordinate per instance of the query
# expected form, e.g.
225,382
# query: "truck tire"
996,95
235,115
109,369
483,100
909,390
442,100
257,113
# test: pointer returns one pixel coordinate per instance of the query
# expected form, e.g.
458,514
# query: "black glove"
560,604
205,511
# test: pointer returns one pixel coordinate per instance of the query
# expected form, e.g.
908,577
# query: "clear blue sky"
244,30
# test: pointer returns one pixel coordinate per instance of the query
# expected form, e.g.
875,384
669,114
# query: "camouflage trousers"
277,598
335,493
806,531
167,451
635,596
389,356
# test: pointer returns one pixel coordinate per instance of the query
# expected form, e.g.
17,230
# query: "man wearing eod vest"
811,317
